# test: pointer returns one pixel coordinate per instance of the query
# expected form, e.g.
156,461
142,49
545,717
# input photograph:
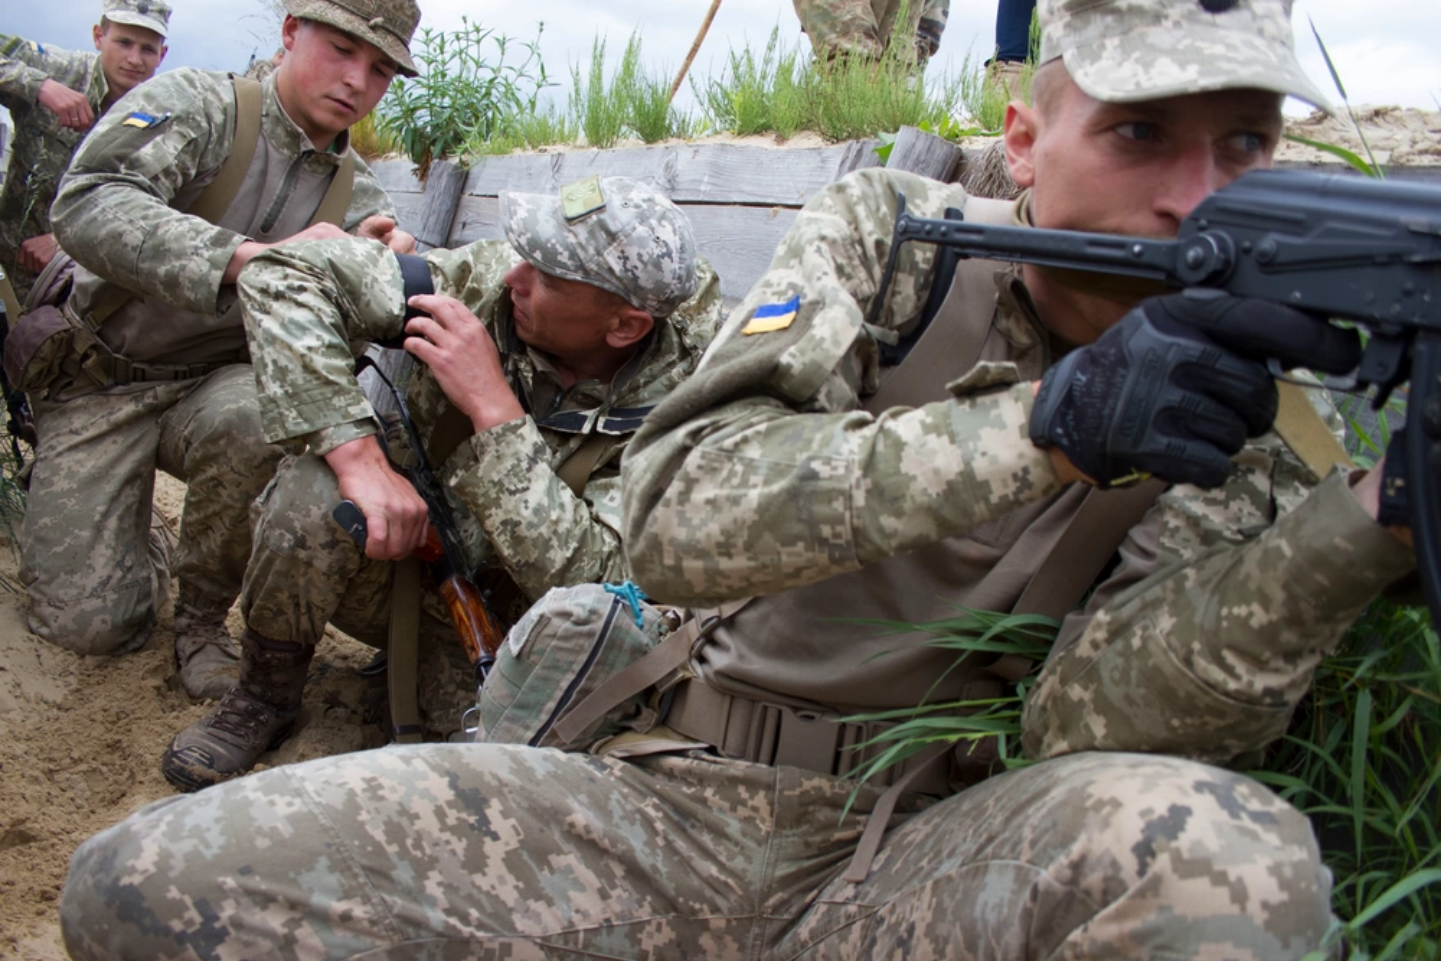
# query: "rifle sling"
402,656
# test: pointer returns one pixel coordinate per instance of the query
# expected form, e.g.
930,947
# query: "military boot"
205,654
256,716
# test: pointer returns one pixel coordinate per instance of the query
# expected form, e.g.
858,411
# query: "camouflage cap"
612,232
388,24
150,14
1121,51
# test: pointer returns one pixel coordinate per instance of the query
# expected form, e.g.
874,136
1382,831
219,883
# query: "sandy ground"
81,739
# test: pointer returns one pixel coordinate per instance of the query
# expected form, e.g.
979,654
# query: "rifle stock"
1339,246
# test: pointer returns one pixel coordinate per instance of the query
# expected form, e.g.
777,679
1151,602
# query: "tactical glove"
1176,387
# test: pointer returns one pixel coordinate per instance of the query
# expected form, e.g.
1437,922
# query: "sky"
1386,51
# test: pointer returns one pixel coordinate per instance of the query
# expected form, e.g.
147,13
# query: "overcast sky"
1386,51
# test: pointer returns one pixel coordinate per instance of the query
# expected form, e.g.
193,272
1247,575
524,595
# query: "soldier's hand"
455,345
1176,387
384,229
395,515
36,252
71,108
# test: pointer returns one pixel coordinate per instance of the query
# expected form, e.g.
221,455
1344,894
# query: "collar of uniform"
99,87
281,131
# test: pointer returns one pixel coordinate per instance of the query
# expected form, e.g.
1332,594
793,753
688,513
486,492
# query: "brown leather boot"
256,716
206,658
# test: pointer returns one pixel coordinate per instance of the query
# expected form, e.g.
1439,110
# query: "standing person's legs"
840,27
85,554
1013,30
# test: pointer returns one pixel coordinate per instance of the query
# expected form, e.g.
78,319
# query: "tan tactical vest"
276,199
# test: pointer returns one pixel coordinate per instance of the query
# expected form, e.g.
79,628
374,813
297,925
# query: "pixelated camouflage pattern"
440,852
119,213
1128,50
639,246
85,529
85,536
150,14
713,478
40,147
311,307
865,27
387,24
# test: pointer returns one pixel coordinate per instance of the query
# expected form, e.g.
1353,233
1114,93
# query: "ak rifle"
443,550
1341,247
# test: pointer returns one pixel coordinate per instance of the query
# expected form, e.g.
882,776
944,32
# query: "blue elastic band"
632,595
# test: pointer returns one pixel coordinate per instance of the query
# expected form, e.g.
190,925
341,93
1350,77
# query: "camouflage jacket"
120,211
1199,644
42,147
311,308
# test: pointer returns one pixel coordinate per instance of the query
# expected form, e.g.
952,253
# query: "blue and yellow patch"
773,317
144,120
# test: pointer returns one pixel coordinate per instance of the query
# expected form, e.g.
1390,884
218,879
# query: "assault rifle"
1341,247
443,549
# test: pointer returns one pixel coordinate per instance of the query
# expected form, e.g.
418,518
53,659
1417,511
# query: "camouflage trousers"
306,572
85,552
470,851
865,27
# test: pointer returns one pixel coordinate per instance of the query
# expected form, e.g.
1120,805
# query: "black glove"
1178,385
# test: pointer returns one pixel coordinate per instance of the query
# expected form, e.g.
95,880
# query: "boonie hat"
388,24
1120,51
612,232
150,14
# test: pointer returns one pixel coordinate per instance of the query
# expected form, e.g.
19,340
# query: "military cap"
388,24
611,232
150,14
1120,51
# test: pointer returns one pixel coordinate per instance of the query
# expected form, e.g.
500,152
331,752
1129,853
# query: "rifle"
442,550
1343,247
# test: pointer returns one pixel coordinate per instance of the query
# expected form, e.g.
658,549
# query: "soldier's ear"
1020,137
97,32
628,327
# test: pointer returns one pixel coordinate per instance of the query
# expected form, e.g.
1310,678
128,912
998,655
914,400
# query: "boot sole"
191,768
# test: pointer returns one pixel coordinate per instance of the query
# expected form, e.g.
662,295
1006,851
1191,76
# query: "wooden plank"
396,176
408,209
687,173
924,153
738,241
442,195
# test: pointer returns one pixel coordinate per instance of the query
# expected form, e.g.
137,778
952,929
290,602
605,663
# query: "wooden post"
925,154
694,48
443,189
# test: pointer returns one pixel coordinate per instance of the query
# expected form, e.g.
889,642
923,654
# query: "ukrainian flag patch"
143,120
772,317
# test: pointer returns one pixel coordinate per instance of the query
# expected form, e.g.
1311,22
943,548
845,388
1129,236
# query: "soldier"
590,314
761,473
155,371
864,28
74,88
260,69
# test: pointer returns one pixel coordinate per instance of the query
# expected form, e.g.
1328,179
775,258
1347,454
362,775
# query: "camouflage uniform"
84,536
512,508
865,27
761,473
41,148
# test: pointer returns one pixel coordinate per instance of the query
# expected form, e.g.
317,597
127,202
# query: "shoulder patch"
773,317
144,120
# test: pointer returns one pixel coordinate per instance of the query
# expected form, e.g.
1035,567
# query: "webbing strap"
403,651
1305,433
336,202
575,471
218,195
7,296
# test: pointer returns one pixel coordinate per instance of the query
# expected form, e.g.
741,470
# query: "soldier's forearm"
1208,660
